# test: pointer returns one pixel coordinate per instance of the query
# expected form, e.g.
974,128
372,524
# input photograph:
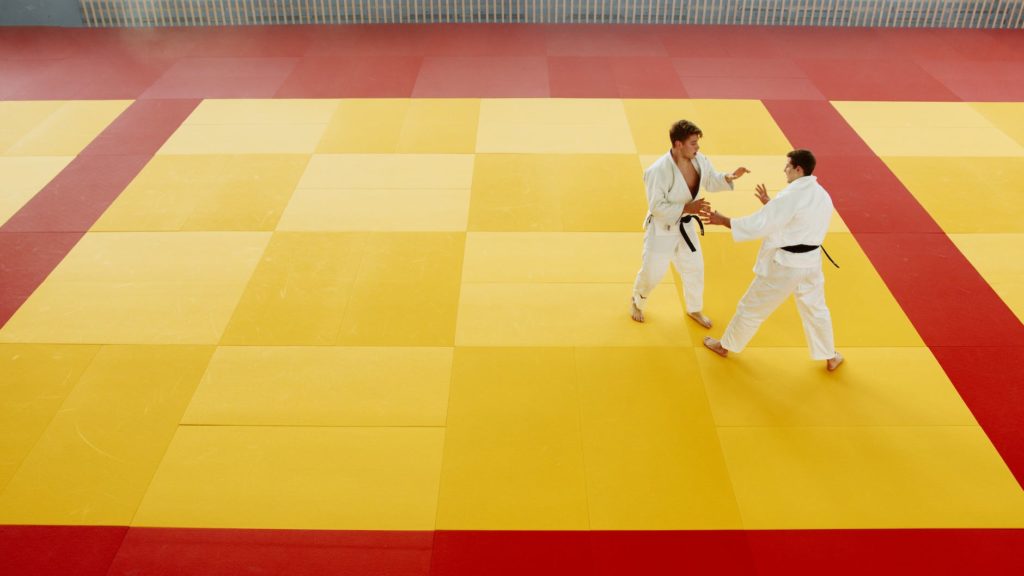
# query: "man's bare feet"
715,346
635,312
832,363
700,318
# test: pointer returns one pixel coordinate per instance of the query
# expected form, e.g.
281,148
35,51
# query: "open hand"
717,218
699,206
762,193
736,174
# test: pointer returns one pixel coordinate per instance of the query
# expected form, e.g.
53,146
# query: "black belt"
801,248
682,230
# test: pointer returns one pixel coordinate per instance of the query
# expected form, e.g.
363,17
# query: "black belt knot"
682,230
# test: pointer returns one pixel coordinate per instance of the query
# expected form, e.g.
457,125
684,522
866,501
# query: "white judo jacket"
799,214
667,191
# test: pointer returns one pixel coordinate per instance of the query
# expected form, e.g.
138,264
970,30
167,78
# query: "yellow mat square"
323,386
876,387
299,292
927,129
68,129
141,288
513,456
407,291
557,192
377,209
23,177
536,314
200,192
387,126
244,139
998,258
737,127
279,112
18,118
864,312
370,126
360,289
297,478
652,455
547,126
1007,116
553,257
966,194
383,171
870,477
440,126
94,462
34,381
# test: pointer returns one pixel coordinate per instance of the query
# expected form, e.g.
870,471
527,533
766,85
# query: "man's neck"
680,160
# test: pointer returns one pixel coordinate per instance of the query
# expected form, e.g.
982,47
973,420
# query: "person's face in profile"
690,147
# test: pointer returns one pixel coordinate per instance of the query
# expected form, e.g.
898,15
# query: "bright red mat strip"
946,299
118,551
230,552
59,550
884,552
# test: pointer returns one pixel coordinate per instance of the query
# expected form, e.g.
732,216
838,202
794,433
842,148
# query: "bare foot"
715,346
832,363
635,312
700,318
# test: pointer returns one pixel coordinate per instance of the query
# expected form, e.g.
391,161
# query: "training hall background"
342,287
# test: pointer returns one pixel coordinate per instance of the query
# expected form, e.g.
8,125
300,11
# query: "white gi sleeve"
713,181
772,217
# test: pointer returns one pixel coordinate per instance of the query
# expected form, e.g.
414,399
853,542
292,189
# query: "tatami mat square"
546,126
323,386
297,477
143,389
870,477
513,455
652,454
36,380
207,193
141,288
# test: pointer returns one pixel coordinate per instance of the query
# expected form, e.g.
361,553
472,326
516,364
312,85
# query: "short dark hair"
682,130
801,158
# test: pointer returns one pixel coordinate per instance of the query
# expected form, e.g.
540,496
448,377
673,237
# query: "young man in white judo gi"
673,216
793,226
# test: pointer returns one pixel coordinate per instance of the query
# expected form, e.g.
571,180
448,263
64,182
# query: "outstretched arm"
717,218
715,181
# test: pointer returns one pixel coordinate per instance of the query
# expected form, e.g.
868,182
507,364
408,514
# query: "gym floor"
355,300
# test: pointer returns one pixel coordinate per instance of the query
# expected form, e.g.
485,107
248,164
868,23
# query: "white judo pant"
662,249
766,293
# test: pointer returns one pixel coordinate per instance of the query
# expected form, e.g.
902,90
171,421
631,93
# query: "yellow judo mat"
413,314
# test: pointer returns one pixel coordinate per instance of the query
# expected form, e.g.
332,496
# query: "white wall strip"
868,13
